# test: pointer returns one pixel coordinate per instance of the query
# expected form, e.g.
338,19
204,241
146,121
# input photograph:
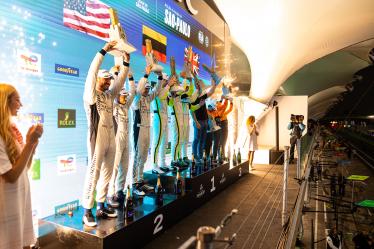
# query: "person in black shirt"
199,113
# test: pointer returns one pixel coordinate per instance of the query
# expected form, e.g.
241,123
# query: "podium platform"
63,231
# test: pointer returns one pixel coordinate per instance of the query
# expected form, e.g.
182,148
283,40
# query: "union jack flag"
194,61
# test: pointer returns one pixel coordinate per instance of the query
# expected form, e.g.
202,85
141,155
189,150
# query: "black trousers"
213,138
292,151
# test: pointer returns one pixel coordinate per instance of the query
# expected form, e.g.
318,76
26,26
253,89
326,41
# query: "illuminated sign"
67,70
66,118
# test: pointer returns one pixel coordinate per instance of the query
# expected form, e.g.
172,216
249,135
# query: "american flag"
88,16
195,61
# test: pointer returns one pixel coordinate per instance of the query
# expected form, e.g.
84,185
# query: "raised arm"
155,92
211,90
89,95
119,81
230,108
163,94
132,94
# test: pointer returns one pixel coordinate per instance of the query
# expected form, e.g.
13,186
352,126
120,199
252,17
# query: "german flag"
158,43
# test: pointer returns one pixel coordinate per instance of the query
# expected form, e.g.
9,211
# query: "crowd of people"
151,105
109,106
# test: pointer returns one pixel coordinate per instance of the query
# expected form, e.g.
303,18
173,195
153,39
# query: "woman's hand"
34,133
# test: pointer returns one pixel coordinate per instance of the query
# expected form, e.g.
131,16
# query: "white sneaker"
89,220
157,170
139,192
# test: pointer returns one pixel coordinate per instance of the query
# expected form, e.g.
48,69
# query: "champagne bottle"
210,165
193,165
129,211
239,157
220,158
159,192
234,158
178,185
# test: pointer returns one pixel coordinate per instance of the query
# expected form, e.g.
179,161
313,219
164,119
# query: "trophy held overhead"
116,33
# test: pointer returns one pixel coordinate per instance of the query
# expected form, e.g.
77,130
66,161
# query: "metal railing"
292,226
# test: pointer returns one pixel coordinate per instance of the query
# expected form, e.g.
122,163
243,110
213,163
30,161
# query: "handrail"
294,220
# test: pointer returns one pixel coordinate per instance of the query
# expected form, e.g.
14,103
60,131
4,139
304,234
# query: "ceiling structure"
284,37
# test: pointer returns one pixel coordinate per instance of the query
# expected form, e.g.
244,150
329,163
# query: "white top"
16,227
252,136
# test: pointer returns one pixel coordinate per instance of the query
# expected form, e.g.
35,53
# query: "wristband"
126,64
102,51
145,76
160,77
131,78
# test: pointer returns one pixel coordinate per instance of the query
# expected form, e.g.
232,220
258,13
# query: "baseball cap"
147,85
103,73
124,92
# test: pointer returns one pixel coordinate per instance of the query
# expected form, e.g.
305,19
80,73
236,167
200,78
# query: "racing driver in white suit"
100,90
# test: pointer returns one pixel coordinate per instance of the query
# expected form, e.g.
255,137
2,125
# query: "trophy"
186,72
173,72
150,58
175,88
116,33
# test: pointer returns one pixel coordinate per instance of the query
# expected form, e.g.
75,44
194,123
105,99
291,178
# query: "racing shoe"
157,170
113,201
165,169
105,213
182,164
88,219
174,165
147,188
186,160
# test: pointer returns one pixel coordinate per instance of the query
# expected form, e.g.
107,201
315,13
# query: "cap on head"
177,89
124,92
103,73
147,85
165,76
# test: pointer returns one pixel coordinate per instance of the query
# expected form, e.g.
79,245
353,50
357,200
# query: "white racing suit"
179,124
101,138
160,128
121,159
141,128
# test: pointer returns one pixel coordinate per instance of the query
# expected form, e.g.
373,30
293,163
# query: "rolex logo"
66,118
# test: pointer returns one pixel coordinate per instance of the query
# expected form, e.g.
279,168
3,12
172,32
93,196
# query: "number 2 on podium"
158,222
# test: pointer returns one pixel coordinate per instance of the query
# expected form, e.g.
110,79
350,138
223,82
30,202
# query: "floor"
258,198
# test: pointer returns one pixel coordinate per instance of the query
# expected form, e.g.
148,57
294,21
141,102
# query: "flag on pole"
88,16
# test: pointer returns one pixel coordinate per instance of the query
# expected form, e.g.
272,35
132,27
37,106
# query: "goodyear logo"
67,70
65,208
